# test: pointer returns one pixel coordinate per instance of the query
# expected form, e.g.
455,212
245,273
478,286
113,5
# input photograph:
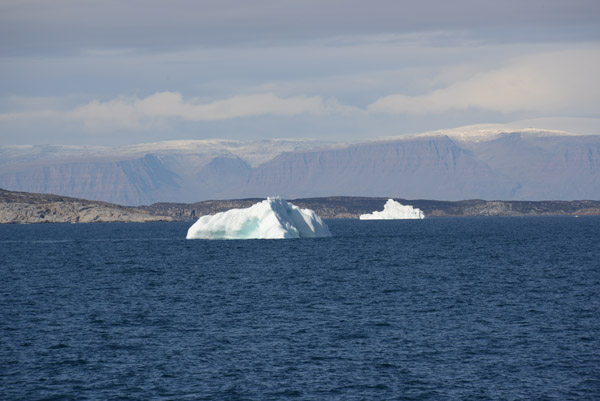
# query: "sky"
88,72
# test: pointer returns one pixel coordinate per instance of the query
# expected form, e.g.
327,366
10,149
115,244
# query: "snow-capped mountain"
471,162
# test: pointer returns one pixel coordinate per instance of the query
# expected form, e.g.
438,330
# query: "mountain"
481,163
175,171
514,166
549,167
434,168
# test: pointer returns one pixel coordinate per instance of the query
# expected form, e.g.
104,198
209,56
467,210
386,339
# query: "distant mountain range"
459,164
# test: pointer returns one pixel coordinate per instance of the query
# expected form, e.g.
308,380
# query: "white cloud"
135,113
547,84
557,82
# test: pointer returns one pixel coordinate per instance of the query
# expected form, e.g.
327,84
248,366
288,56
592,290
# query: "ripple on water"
432,309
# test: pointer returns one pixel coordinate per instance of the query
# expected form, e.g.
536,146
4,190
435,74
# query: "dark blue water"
490,308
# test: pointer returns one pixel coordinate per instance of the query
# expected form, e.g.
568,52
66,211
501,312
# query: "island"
25,207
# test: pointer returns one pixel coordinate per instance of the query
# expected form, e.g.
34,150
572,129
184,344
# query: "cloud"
134,113
544,84
139,113
556,82
51,27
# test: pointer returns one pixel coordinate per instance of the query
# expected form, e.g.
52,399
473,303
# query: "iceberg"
395,210
273,218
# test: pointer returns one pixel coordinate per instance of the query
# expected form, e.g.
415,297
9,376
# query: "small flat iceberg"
273,218
395,210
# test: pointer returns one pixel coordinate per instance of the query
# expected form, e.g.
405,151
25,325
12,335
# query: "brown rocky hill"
342,207
23,207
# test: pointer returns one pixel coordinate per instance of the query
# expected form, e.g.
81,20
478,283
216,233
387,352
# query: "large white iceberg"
272,218
395,210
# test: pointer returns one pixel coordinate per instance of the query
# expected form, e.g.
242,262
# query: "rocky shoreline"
24,207
347,207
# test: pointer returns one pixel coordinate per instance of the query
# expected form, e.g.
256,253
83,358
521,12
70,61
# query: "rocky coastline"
24,207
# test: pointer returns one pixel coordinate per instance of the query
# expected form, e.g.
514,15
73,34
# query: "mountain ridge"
527,164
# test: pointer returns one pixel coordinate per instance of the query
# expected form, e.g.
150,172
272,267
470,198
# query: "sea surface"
435,309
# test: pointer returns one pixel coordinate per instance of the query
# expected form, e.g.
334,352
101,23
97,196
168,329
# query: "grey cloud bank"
41,26
112,72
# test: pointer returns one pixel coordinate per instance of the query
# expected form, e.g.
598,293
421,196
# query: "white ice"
272,218
395,210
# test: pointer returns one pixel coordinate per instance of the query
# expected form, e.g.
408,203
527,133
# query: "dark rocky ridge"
24,207
342,207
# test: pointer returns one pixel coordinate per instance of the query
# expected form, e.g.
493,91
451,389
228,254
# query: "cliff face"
127,182
426,168
21,207
545,167
512,166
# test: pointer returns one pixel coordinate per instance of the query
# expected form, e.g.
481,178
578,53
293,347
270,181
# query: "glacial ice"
272,218
395,210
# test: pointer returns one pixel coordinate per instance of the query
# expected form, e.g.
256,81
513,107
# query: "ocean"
435,309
